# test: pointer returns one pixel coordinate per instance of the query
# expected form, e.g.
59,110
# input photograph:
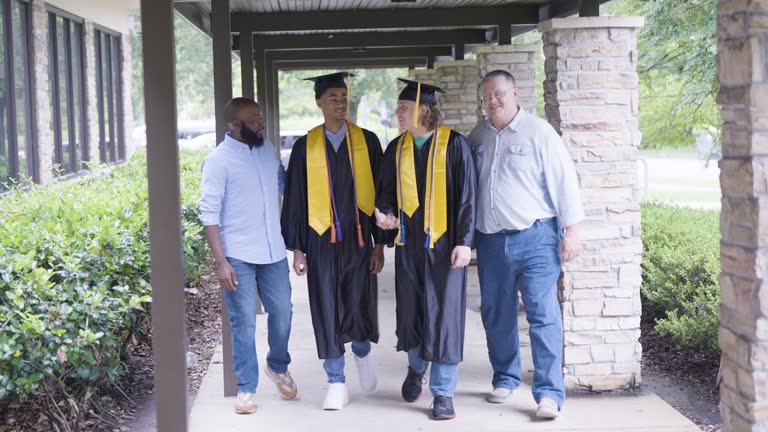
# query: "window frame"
109,105
12,112
73,31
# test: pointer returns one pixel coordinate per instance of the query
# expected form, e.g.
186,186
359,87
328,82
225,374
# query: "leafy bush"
74,284
681,267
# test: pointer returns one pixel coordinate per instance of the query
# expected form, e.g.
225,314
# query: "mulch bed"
119,411
693,372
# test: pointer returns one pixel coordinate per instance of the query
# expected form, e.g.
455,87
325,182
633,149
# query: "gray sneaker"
499,395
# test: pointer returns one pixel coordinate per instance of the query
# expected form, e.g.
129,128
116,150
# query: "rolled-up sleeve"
562,181
212,189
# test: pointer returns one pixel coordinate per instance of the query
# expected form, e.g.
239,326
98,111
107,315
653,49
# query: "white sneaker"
499,395
367,373
246,403
336,398
547,409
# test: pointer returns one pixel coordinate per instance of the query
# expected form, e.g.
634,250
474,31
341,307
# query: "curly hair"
433,119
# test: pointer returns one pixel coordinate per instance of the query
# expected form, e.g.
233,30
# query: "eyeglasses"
498,94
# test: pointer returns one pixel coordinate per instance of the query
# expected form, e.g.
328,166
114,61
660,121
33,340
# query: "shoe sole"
245,412
412,401
547,416
445,417
496,400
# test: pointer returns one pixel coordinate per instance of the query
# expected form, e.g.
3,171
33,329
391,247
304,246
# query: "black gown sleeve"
376,155
465,190
386,184
294,216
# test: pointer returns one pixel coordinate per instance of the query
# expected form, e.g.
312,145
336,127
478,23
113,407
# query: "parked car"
287,138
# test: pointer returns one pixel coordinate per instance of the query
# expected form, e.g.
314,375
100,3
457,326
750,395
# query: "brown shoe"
284,383
246,403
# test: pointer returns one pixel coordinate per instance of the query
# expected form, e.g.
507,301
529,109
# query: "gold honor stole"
320,202
435,200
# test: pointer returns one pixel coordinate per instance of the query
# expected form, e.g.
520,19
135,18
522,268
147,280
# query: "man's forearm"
213,234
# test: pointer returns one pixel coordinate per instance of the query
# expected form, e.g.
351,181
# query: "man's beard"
250,137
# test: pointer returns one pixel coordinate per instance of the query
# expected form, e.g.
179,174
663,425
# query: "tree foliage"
678,81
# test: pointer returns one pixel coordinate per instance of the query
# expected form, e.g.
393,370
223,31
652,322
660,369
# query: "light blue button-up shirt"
240,189
525,173
337,137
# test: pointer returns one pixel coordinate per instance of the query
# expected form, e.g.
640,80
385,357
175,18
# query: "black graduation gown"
342,291
430,295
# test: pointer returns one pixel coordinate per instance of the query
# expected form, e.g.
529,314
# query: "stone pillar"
428,76
41,101
743,74
591,98
125,50
460,105
91,95
517,59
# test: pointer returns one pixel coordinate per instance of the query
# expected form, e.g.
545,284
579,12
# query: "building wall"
110,15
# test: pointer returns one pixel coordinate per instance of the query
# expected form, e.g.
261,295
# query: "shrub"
681,267
74,284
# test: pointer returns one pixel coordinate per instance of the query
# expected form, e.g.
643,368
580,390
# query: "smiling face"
333,103
500,99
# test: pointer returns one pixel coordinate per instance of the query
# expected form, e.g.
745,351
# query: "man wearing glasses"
529,206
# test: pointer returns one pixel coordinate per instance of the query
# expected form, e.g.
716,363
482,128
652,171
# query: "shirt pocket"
520,157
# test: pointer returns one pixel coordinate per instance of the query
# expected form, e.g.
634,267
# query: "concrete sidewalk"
384,410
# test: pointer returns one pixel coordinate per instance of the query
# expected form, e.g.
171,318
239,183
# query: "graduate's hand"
299,263
570,245
461,256
377,259
385,221
226,275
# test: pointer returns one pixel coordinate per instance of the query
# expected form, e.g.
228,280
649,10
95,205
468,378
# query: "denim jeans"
442,376
274,288
335,367
527,262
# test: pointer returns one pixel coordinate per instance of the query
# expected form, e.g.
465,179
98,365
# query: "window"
66,65
16,139
109,90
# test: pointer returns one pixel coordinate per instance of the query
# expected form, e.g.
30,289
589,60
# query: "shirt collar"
233,144
338,134
514,124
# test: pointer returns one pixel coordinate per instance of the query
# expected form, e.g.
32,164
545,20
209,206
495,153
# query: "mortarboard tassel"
416,108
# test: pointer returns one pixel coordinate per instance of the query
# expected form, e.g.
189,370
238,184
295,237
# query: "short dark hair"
235,105
500,73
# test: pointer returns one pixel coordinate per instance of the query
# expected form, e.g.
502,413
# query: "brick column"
517,59
91,108
428,76
743,75
41,101
125,49
591,97
460,106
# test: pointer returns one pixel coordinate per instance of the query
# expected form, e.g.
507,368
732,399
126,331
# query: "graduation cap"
332,80
415,89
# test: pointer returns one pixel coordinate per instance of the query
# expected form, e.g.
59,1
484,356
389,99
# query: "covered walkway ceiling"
472,21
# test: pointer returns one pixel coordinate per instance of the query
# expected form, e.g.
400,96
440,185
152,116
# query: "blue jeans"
442,376
335,367
527,262
274,288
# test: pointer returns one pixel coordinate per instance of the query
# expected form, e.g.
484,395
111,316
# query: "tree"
676,66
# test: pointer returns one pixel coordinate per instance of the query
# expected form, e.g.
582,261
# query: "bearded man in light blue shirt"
529,205
242,180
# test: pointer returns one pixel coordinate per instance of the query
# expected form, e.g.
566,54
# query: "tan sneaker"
547,409
285,384
246,403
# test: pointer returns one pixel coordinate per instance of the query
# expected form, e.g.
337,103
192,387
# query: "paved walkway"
384,410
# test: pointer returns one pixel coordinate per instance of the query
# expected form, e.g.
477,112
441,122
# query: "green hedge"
681,267
74,284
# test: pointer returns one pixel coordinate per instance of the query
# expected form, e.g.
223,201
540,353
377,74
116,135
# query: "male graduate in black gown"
427,191
327,222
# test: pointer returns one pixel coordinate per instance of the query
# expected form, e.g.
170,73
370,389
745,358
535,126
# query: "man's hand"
299,263
226,274
377,259
385,221
461,256
570,246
